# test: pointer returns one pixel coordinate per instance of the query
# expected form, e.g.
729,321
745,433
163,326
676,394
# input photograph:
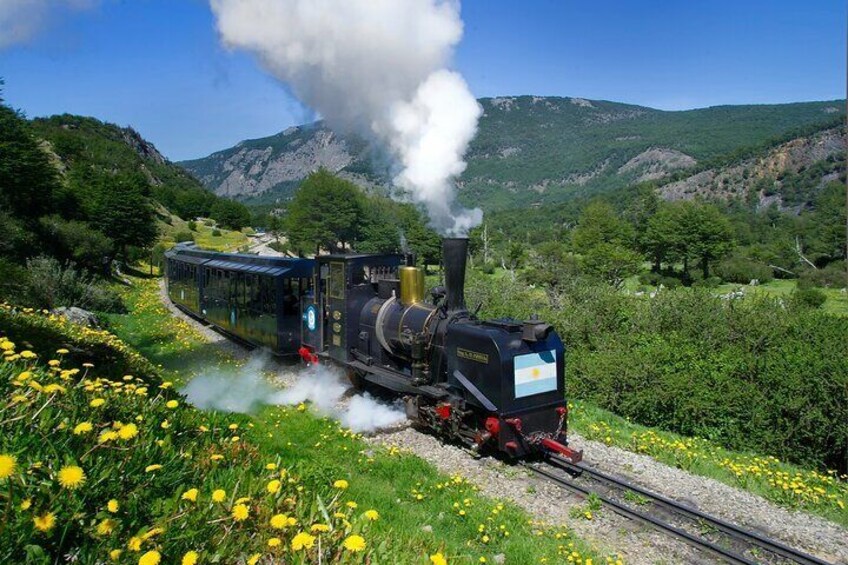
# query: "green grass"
407,491
836,303
228,240
818,493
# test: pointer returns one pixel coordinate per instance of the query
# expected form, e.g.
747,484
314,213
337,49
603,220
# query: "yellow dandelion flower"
62,351
270,466
97,402
240,512
216,457
372,515
151,468
150,558
45,522
115,554
341,484
26,504
354,543
254,559
274,542
438,559
134,544
351,504
7,466
71,476
219,495
302,541
27,354
319,528
274,486
112,506
25,376
172,404
107,435
190,558
128,432
53,362
190,495
83,428
279,521
105,527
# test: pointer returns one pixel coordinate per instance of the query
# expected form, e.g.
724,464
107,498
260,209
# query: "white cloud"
21,20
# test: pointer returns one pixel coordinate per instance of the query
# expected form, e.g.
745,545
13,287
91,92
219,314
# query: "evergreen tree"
326,211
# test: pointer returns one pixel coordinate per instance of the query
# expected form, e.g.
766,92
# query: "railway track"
710,534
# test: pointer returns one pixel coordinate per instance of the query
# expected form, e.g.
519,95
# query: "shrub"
742,271
52,284
216,233
488,268
192,225
78,242
711,282
182,236
809,297
831,276
209,222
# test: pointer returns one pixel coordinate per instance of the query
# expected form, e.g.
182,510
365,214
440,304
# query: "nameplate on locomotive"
472,355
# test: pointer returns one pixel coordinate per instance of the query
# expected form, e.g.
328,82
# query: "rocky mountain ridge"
529,150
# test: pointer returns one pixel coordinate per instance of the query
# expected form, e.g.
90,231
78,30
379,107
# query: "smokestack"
454,256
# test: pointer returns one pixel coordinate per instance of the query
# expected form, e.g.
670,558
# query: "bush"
809,297
209,222
182,236
656,279
216,233
52,284
488,268
830,276
78,242
742,271
192,225
711,282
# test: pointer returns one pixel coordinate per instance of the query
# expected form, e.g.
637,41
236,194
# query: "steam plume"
379,68
244,390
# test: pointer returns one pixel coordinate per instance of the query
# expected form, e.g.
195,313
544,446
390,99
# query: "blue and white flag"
535,373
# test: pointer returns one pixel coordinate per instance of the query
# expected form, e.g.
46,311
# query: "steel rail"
737,532
693,540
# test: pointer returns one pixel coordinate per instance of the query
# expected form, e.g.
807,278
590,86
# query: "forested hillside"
77,194
529,150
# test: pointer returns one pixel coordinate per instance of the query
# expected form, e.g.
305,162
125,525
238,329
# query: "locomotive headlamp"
534,330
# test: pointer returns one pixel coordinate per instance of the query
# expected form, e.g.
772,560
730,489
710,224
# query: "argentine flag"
535,373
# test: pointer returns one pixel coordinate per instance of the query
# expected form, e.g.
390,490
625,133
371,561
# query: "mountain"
788,175
529,150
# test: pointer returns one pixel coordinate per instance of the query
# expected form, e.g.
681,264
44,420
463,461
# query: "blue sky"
157,64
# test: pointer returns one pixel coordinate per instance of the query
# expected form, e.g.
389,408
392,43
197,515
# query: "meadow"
101,459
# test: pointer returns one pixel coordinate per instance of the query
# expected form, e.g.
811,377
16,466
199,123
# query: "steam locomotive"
490,384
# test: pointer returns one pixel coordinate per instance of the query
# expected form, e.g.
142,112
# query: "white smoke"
245,390
379,68
20,20
324,388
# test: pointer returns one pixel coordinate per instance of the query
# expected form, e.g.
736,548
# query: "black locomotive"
492,384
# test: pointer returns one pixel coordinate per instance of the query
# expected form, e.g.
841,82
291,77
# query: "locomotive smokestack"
454,257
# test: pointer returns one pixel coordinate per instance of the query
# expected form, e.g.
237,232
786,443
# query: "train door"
335,312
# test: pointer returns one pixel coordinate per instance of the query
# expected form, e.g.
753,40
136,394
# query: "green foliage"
751,375
216,232
185,235
51,284
192,225
324,212
834,275
739,269
76,241
230,214
809,297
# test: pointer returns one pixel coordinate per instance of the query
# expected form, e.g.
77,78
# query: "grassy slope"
387,480
203,235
